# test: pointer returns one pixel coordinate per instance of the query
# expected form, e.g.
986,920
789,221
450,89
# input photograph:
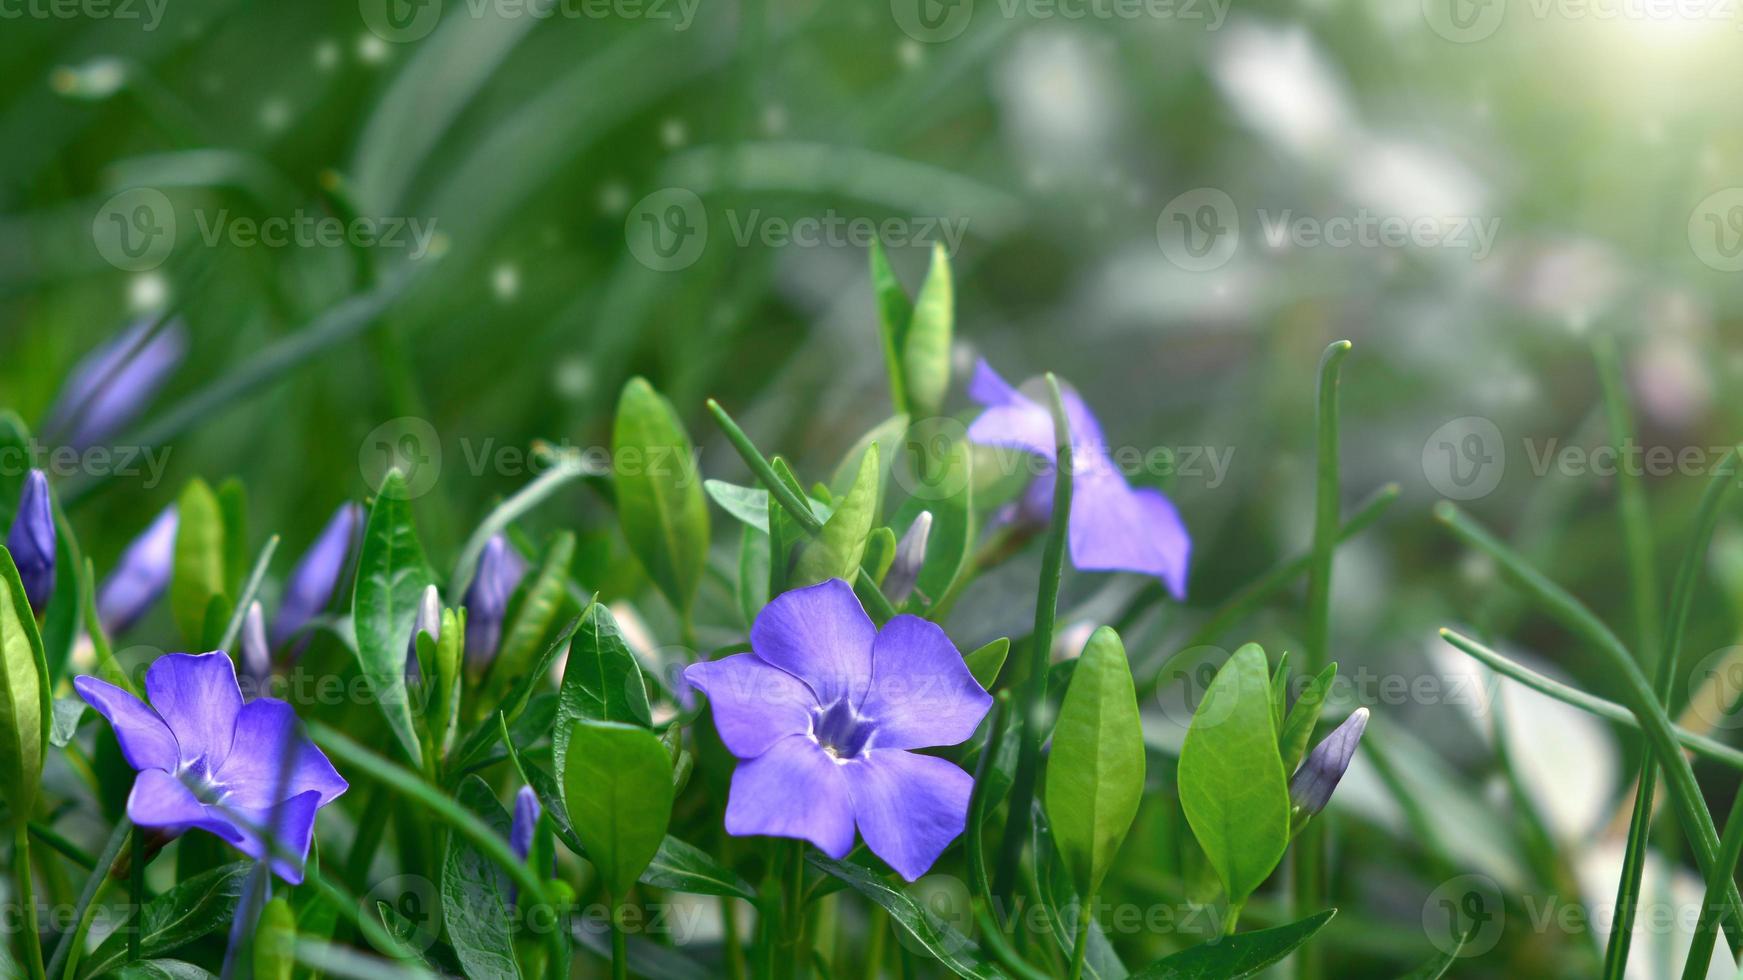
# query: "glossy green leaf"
1298,726
275,941
1232,784
1280,692
1240,955
475,894
926,343
836,552
601,682
751,504
617,789
953,950
1437,965
535,611
880,552
894,311
942,482
1095,773
884,434
659,492
163,970
191,910
200,552
26,711
14,445
517,703
391,577
682,867
986,662
61,620
1062,904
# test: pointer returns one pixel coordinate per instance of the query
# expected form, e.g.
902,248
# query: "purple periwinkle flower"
141,578
1114,527
316,577
31,541
206,760
822,715
107,389
1311,786
500,569
904,570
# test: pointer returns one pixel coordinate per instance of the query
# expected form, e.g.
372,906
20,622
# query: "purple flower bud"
526,817
108,388
256,654
1311,787
141,578
316,577
910,555
429,621
500,569
32,541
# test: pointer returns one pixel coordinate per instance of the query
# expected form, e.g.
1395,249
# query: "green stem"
27,899
979,804
63,950
1696,821
1706,927
136,894
1034,693
734,948
1233,917
793,915
1630,500
1309,849
1670,652
67,849
1080,947
619,944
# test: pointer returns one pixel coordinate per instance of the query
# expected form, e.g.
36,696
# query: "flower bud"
429,622
1311,787
500,569
107,389
256,659
141,578
526,817
316,577
910,555
32,541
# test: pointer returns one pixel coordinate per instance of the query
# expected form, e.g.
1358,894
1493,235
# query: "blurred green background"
1076,146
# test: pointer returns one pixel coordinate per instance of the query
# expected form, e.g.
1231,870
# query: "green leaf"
1437,965
659,492
531,616
885,433
14,445
618,793
517,702
943,483
233,506
837,550
682,867
1232,784
986,662
894,311
1298,727
25,708
391,577
942,941
191,910
601,682
199,560
275,941
68,713
1280,691
1240,955
751,504
162,970
880,553
475,894
1062,905
60,621
1095,773
926,343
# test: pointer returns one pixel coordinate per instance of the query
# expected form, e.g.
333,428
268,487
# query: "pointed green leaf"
659,492
751,504
1240,955
1062,904
683,867
191,910
1232,785
955,951
1298,727
942,481
618,793
391,577
837,550
162,970
199,560
475,894
926,343
894,311
14,446
25,707
601,682
885,433
275,941
1280,691
1095,773
986,662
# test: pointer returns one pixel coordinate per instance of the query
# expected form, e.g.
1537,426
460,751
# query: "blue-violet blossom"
1311,787
1114,527
822,715
141,578
108,388
32,539
316,577
206,760
500,569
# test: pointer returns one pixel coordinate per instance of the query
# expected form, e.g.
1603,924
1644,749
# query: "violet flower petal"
142,576
909,807
107,388
146,742
793,790
273,760
1014,420
500,570
32,540
821,635
922,693
163,802
1116,528
311,585
197,696
755,705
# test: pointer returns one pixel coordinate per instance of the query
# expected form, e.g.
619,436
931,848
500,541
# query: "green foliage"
199,586
25,708
1095,773
837,550
392,575
659,492
475,894
1237,956
617,788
